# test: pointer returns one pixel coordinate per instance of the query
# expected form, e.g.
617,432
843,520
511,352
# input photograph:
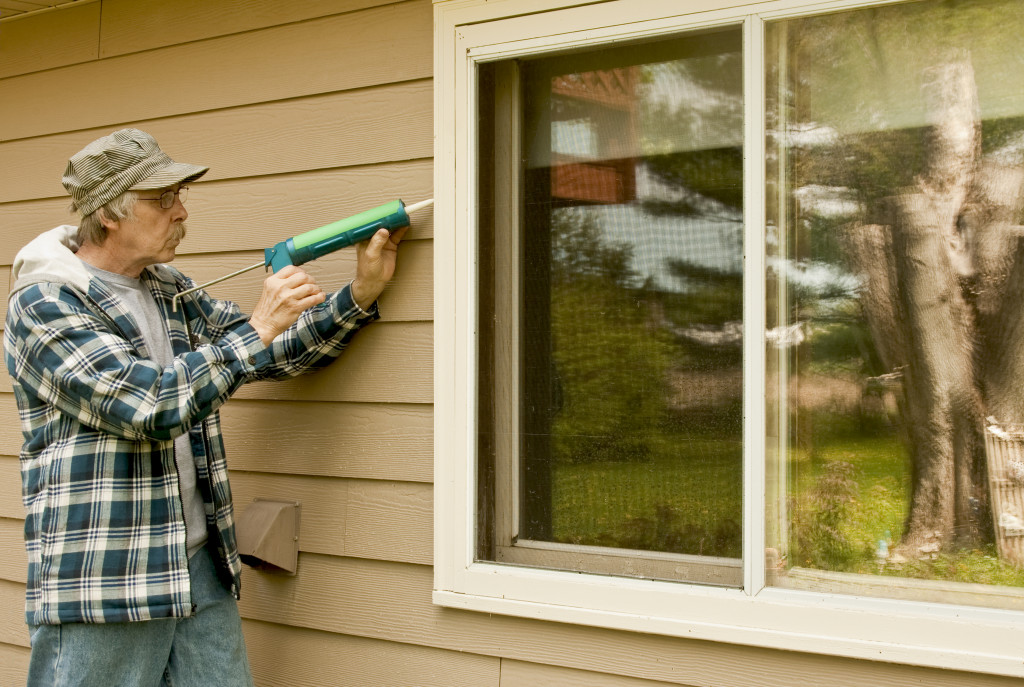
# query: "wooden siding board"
390,521
342,517
255,213
271,208
50,40
10,488
10,427
391,601
130,26
13,560
342,52
291,657
21,5
522,674
13,6
369,126
359,440
13,664
5,292
12,614
385,363
26,220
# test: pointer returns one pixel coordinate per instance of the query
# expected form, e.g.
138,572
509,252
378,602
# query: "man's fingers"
301,297
297,279
398,235
373,247
287,271
292,278
307,290
309,301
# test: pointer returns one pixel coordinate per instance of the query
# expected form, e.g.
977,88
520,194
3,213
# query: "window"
727,341
610,370
894,168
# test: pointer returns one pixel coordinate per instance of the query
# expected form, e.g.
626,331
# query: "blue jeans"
206,649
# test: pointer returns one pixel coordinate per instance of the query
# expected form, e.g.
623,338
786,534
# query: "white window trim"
912,632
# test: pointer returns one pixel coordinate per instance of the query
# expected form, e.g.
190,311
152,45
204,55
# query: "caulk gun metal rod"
174,302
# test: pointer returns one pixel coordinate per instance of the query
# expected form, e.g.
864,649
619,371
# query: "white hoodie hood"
50,257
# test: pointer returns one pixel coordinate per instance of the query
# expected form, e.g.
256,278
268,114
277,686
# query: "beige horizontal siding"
13,562
262,210
391,601
521,674
343,517
280,657
10,486
13,664
5,281
336,53
391,521
369,126
50,40
168,22
359,440
385,363
12,613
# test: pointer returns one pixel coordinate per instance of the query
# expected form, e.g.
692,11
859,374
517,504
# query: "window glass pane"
896,142
610,310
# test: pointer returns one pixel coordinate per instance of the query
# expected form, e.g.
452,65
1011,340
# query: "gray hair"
91,229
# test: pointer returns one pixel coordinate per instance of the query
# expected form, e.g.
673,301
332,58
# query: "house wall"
307,111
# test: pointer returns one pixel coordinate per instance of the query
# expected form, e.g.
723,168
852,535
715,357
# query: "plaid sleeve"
318,337
76,359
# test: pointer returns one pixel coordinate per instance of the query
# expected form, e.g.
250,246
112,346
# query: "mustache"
180,229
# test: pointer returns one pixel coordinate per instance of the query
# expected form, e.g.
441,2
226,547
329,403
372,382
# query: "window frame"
468,32
508,543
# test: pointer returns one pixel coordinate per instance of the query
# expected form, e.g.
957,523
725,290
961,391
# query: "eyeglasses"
166,198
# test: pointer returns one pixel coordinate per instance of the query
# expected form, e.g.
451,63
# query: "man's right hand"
286,295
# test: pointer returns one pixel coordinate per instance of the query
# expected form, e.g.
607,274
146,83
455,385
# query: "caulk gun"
317,243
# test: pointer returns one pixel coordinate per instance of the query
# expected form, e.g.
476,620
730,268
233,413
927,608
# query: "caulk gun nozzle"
409,209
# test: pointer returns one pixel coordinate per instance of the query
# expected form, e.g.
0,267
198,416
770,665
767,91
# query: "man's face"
153,235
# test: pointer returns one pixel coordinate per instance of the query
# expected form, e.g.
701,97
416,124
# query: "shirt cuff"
252,352
348,308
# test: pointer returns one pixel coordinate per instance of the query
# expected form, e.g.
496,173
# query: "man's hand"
286,295
375,266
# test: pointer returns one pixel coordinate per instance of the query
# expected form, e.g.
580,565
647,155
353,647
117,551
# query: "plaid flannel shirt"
104,527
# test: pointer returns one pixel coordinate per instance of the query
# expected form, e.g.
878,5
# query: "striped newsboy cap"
128,159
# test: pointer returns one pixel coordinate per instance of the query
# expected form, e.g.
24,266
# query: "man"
133,572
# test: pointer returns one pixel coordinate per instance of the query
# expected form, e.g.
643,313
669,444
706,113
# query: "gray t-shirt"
147,315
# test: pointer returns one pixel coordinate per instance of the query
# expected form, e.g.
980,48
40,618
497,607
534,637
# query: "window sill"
916,633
